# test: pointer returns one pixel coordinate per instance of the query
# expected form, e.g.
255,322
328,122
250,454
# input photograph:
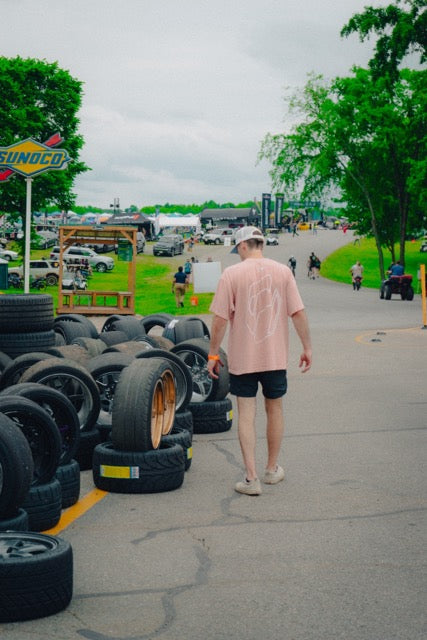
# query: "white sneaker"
273,477
249,487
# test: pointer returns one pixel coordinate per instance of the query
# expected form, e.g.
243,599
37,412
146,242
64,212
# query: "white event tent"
162,220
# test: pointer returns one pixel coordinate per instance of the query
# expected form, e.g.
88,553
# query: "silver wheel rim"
202,382
75,390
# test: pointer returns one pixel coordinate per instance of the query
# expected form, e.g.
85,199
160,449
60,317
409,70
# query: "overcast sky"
178,94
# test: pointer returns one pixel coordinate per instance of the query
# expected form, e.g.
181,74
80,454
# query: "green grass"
153,293
154,276
337,264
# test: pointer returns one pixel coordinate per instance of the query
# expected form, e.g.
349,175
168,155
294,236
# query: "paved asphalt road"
337,551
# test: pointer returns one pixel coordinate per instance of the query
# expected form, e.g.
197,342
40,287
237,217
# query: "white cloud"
178,95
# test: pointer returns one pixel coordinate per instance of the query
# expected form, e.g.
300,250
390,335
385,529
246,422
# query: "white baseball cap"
247,233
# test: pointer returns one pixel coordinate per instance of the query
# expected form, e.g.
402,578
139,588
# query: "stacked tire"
36,570
137,459
26,323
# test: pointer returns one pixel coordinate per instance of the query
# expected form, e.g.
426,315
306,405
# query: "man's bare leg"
275,430
246,429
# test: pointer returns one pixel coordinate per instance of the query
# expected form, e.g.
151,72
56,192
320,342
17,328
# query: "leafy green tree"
357,138
401,29
38,99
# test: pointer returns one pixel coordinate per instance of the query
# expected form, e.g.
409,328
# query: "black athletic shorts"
274,384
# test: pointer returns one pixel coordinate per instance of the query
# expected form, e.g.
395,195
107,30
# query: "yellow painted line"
77,510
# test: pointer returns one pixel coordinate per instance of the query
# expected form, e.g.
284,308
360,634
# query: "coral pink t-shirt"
257,296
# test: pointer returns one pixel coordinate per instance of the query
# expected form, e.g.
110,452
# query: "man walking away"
178,286
257,296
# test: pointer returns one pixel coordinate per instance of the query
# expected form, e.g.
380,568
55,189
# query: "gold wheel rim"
169,401
157,415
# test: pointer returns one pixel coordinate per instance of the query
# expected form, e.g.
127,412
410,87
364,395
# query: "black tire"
15,344
160,342
112,337
109,323
51,280
16,467
26,312
88,442
73,352
156,320
68,476
77,317
382,292
72,330
131,347
59,407
5,360
100,267
36,576
139,413
410,294
184,420
181,329
131,326
43,505
41,433
74,381
403,294
212,417
105,370
147,471
194,353
13,372
59,340
94,346
387,292
152,341
183,438
16,522
183,380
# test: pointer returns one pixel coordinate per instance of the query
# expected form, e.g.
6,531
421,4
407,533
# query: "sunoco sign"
29,158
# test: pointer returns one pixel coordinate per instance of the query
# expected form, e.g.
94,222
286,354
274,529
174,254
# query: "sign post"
30,158
27,248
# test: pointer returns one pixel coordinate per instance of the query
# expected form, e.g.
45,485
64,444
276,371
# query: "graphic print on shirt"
264,305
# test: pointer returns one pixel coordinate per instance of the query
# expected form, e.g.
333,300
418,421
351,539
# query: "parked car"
8,254
48,269
169,245
423,247
217,236
44,239
97,262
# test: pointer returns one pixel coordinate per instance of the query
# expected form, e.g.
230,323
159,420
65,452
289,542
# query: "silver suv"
48,269
97,262
217,236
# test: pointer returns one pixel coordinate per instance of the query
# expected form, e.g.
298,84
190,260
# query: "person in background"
188,269
356,272
292,264
179,283
256,297
396,269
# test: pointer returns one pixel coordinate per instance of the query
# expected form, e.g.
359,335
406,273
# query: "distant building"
231,216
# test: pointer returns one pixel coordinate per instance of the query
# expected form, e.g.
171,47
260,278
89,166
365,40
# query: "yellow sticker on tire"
112,471
229,415
189,453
